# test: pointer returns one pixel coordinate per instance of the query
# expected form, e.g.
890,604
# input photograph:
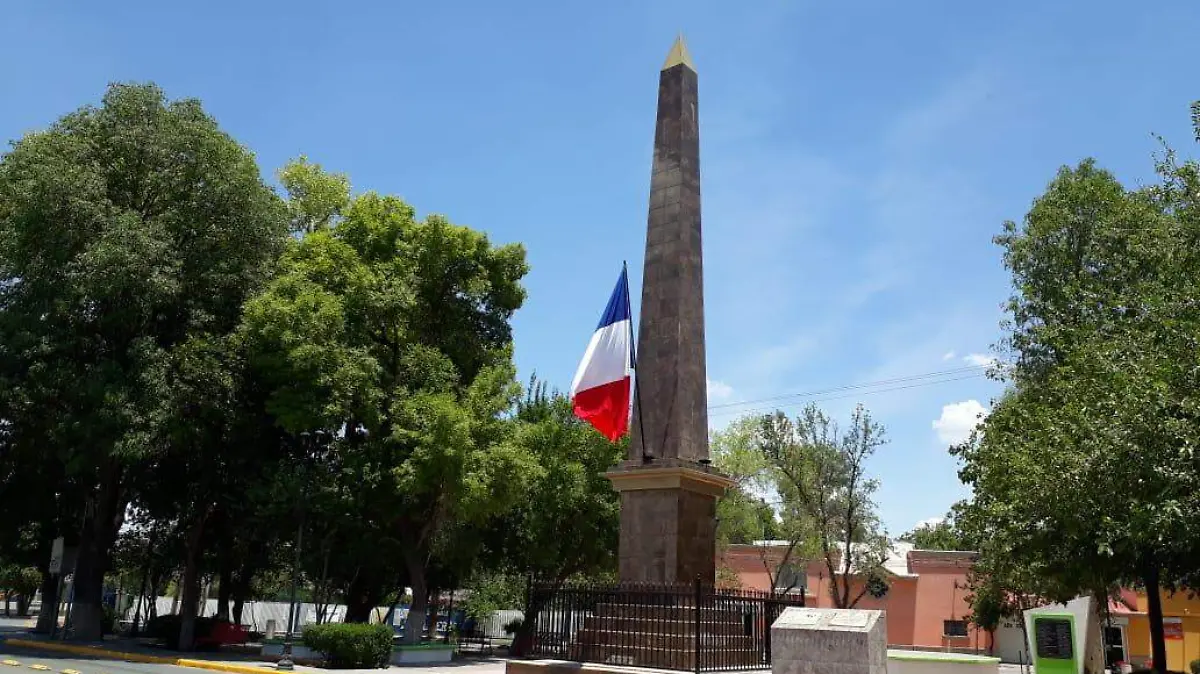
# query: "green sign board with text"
1054,644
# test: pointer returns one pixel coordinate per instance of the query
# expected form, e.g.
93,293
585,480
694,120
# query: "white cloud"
980,359
949,355
958,420
929,522
718,390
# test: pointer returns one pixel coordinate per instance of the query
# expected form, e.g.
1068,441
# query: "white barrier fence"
256,614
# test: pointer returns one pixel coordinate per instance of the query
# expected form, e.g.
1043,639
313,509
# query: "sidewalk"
132,651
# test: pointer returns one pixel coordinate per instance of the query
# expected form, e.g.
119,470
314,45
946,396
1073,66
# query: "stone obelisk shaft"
673,412
668,491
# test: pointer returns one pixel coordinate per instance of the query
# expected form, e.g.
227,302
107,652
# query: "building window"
789,577
956,629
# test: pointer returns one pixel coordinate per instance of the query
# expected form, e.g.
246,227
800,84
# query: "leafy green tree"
398,327
823,484
567,492
743,514
315,197
1083,474
21,582
492,591
125,230
941,535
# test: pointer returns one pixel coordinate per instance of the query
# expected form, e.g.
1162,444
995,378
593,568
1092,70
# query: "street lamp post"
312,444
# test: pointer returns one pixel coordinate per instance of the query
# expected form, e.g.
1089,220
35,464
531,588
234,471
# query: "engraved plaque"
850,619
800,617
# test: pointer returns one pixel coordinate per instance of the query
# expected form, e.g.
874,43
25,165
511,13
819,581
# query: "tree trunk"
435,597
1027,656
191,585
534,603
23,605
95,544
1158,643
362,596
224,590
420,597
141,597
7,603
241,590
322,593
48,617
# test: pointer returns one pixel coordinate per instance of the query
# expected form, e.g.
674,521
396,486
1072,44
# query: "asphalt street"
26,661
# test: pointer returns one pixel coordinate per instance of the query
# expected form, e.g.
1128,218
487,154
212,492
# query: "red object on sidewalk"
225,633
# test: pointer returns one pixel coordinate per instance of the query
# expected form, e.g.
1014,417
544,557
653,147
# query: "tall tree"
1084,474
399,327
125,230
823,480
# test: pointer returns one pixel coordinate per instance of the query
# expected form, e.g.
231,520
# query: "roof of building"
902,557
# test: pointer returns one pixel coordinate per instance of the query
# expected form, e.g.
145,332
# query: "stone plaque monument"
829,641
668,490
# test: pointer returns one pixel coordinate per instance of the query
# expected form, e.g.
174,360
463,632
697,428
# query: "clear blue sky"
857,156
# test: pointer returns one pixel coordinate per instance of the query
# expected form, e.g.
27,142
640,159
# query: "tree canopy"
129,233
396,329
1085,473
181,345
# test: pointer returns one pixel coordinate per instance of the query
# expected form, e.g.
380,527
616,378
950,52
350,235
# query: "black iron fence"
683,627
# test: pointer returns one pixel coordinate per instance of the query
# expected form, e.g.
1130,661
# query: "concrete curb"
137,657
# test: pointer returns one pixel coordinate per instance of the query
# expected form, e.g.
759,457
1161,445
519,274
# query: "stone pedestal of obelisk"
668,490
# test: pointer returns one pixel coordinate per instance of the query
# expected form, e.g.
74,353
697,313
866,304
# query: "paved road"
31,661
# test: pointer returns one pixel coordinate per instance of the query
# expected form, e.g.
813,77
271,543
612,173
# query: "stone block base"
668,521
829,641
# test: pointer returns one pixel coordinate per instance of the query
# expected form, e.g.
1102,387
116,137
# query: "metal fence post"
696,662
769,608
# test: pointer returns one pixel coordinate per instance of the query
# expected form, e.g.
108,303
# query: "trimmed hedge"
351,646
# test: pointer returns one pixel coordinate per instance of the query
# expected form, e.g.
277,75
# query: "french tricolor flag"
600,392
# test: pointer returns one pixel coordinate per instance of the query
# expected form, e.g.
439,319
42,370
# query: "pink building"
926,598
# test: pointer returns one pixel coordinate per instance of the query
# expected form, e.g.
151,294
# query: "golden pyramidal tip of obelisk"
679,54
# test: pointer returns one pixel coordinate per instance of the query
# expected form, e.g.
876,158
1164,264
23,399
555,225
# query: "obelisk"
668,490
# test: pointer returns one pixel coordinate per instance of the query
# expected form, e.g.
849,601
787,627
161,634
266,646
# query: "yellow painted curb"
222,666
137,657
90,650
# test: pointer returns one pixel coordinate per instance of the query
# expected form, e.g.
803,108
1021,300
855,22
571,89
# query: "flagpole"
637,375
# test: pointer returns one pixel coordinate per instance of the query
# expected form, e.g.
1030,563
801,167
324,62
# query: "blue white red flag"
600,392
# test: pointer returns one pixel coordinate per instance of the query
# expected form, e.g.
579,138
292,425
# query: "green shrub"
351,646
1194,665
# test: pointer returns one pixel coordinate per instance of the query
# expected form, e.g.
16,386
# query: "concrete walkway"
128,651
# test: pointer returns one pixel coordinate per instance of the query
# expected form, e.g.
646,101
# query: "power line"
978,369
800,397
847,387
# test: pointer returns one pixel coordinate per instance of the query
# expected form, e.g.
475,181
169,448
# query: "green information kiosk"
1054,644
